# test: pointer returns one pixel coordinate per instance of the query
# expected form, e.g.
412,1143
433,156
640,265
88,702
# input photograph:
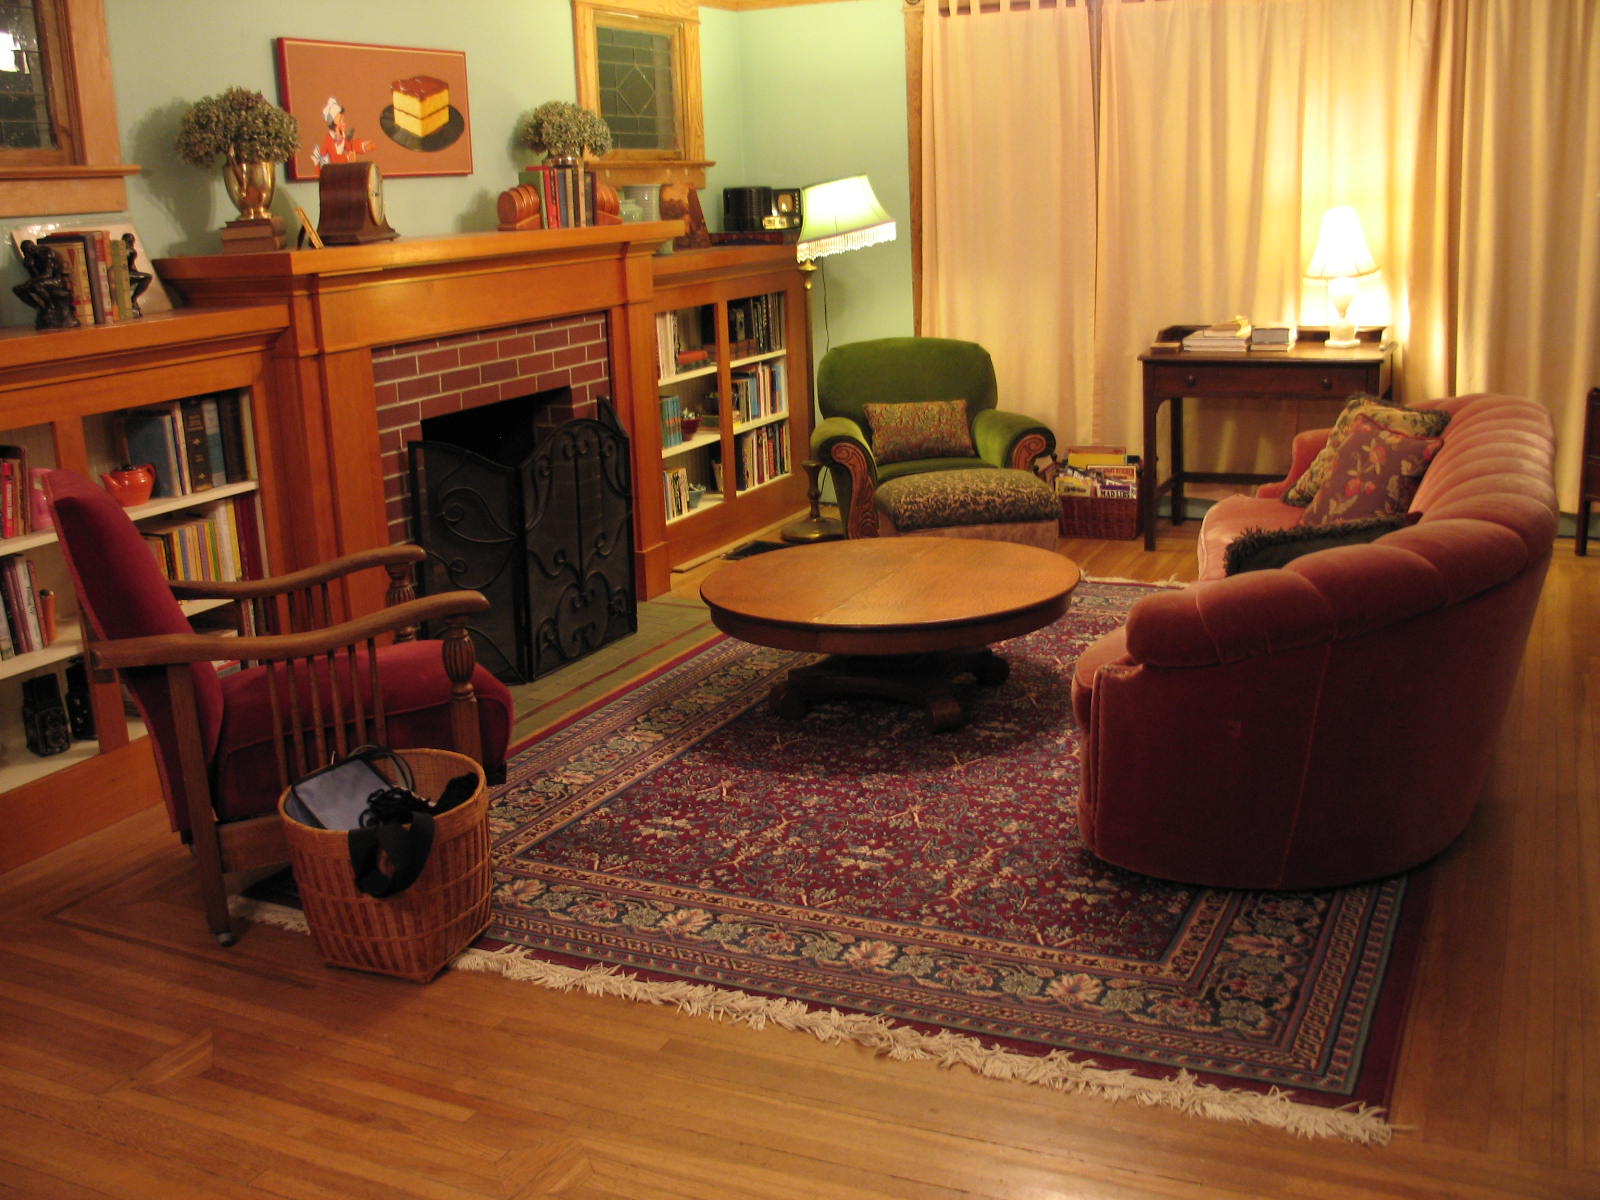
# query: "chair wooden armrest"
303,599
162,650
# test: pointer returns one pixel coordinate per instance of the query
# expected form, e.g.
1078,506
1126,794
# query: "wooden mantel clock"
352,205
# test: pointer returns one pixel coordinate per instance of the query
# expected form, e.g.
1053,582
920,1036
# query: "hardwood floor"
138,1059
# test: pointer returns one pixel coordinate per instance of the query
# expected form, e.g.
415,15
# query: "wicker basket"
1099,517
414,934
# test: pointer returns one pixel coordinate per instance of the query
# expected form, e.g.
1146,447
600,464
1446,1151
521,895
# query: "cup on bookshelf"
130,485
691,422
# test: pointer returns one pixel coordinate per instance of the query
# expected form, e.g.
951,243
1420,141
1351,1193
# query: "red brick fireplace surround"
420,380
381,336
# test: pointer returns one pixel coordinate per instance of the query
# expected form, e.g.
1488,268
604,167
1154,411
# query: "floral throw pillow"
921,429
1417,422
1375,473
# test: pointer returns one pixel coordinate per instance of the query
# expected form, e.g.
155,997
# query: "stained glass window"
24,88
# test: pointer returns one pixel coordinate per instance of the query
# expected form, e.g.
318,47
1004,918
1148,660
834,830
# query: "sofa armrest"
841,445
1008,439
1308,443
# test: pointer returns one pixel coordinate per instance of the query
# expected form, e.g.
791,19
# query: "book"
196,444
1226,337
73,252
148,437
210,409
235,458
13,491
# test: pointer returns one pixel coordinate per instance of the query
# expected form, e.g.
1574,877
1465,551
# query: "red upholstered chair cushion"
416,705
125,595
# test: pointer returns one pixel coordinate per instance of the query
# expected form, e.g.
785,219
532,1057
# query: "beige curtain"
1465,132
1008,202
1502,263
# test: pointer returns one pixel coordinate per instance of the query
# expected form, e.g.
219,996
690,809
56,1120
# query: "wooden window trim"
86,173
681,20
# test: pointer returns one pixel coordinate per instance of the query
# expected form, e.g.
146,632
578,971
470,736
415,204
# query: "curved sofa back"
1335,717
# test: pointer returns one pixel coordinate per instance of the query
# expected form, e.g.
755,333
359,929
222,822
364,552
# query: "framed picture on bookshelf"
404,109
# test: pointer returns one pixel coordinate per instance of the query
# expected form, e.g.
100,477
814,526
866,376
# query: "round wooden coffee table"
899,617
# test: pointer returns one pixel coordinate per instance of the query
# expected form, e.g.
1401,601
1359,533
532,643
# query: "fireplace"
538,517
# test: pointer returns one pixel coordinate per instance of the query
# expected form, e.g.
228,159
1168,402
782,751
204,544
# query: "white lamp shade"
842,214
1341,247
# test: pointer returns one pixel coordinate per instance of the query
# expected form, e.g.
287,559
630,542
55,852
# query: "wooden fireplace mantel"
343,301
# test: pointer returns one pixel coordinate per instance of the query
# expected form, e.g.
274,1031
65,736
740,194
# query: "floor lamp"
840,215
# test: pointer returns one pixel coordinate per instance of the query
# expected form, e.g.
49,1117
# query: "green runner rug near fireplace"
852,875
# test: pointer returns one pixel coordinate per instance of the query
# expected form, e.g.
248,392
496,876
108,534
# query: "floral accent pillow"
921,429
1417,422
1375,473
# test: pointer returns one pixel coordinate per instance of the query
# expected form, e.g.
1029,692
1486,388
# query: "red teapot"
131,485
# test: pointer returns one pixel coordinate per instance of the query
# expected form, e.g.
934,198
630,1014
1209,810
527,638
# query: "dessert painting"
402,108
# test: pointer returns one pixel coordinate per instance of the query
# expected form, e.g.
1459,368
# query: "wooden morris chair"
914,442
227,744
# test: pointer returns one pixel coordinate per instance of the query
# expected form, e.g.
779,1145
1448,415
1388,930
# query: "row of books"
23,508
676,482
763,455
671,420
98,274
27,612
1224,337
218,543
685,341
755,325
1270,338
758,391
196,443
569,196
1098,471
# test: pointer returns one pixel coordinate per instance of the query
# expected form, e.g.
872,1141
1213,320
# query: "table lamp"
1341,255
840,215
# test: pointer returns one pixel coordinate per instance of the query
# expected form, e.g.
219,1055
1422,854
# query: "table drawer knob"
1188,381
1327,384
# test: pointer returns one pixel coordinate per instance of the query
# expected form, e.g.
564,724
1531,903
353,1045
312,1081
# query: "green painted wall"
776,112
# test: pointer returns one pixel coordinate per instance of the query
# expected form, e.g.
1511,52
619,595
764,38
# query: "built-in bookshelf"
727,358
87,400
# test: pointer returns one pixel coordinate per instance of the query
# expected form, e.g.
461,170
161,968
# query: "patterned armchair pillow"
920,429
1375,473
1417,422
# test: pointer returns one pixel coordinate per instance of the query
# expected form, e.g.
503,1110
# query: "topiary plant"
239,126
562,128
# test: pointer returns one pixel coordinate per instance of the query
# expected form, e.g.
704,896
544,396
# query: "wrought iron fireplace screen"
539,520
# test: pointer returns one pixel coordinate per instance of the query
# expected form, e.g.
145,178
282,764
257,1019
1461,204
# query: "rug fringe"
1358,1123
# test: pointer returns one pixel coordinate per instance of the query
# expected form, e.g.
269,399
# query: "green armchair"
853,380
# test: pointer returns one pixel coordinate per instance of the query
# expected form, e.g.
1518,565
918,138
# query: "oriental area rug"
851,875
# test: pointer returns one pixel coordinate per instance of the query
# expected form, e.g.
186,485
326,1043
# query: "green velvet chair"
854,378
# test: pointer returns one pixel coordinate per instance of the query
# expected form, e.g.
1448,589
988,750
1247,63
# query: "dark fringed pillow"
1262,549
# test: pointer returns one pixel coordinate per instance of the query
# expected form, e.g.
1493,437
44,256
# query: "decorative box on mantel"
415,300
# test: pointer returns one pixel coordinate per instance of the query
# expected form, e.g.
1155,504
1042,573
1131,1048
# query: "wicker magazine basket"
414,934
1099,517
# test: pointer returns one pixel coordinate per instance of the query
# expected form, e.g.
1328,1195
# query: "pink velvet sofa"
1332,720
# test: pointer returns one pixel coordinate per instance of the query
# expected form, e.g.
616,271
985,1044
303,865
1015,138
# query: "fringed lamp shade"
840,215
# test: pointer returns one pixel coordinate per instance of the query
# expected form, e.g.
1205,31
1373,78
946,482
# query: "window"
59,147
639,68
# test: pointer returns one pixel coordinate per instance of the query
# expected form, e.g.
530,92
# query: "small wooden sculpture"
138,280
47,289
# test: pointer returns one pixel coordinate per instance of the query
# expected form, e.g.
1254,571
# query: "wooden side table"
1310,371
1589,482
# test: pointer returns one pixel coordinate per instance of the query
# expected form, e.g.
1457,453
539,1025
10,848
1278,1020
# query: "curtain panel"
1466,133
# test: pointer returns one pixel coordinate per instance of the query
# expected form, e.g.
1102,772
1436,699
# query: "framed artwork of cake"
404,109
